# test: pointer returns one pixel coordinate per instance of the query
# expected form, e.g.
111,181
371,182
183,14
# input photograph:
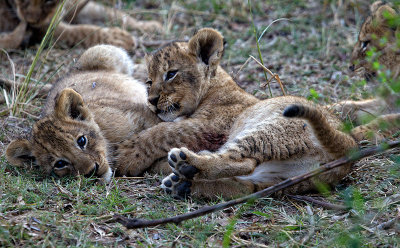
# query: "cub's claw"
177,161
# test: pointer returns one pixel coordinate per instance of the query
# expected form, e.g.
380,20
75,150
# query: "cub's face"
67,142
174,82
373,32
180,73
36,12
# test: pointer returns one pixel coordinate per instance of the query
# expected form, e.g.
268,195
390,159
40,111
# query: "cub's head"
378,32
36,12
66,142
180,73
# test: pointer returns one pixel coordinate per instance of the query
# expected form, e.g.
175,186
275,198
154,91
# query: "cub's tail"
335,141
107,58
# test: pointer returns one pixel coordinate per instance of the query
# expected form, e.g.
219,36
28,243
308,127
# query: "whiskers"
171,106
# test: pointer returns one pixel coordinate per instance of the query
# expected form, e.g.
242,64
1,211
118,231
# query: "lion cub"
25,22
95,106
378,32
204,109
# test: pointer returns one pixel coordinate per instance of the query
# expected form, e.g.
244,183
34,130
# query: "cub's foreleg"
136,154
94,12
189,165
90,35
381,128
356,111
14,39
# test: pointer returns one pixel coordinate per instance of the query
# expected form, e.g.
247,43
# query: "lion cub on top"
205,109
25,22
97,105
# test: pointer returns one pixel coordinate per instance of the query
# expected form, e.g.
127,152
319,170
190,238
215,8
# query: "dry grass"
310,54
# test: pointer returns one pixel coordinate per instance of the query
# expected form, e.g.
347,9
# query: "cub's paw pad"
177,161
182,189
173,185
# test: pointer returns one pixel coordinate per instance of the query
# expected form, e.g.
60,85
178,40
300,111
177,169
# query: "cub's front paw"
118,37
177,159
176,186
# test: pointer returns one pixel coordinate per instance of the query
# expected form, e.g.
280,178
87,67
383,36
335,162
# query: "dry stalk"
241,68
42,90
273,76
312,223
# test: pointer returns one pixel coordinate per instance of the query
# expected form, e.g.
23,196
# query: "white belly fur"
270,171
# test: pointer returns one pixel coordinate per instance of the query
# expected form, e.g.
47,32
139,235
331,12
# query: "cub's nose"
154,100
351,68
93,172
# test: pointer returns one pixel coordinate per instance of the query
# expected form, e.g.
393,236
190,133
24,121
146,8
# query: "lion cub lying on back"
205,109
78,130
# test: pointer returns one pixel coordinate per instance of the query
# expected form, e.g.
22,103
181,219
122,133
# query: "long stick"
138,223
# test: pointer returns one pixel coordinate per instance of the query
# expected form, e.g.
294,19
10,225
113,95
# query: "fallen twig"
138,223
324,204
388,224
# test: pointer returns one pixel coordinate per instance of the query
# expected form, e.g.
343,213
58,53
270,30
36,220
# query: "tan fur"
99,103
373,30
379,129
25,22
206,109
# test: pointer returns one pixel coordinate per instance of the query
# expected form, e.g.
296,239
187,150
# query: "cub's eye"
364,44
81,141
149,82
170,75
60,164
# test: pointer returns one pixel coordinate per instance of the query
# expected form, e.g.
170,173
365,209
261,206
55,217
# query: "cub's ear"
380,12
70,105
19,152
208,46
375,5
